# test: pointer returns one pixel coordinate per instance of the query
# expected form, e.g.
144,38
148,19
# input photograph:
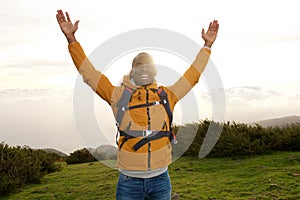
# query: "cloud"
296,96
45,118
38,118
37,73
27,69
33,63
43,94
250,93
271,37
249,103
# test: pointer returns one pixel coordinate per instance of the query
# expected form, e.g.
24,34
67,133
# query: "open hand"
211,34
66,26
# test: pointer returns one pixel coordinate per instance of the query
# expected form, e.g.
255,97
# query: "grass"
272,176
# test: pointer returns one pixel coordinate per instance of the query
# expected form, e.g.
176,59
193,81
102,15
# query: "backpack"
122,107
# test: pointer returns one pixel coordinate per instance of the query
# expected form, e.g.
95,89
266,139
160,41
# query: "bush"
80,156
21,165
239,139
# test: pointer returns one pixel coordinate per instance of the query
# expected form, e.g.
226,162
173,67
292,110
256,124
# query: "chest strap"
154,103
130,134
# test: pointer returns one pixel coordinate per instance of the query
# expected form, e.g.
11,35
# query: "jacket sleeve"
95,79
191,76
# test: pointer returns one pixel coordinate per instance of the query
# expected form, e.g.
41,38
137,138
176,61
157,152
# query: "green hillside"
272,176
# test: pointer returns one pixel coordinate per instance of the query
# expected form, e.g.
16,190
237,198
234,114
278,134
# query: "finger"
210,25
76,24
68,17
60,13
62,16
216,26
57,18
203,32
215,23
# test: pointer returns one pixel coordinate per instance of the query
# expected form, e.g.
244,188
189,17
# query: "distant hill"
280,122
104,152
49,150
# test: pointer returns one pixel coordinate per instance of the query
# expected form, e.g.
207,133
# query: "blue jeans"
156,188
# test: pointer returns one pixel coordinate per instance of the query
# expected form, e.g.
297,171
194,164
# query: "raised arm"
94,78
66,26
209,38
185,83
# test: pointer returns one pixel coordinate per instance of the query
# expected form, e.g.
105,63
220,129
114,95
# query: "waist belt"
147,135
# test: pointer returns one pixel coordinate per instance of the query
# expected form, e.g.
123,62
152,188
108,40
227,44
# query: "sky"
255,54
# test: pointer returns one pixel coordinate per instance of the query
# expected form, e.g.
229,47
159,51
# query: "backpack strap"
164,98
165,102
145,140
121,106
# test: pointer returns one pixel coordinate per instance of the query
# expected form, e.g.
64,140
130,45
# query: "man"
144,119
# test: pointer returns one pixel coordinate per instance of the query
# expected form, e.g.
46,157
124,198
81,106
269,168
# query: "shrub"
80,156
239,139
21,165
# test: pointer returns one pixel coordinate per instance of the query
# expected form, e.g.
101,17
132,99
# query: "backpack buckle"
174,138
156,103
146,133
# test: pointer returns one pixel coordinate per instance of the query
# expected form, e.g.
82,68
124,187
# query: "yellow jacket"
157,153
